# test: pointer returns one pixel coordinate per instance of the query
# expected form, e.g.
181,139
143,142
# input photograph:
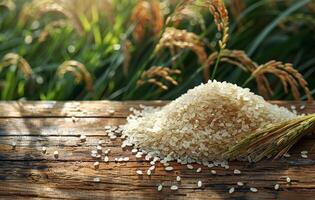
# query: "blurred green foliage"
99,34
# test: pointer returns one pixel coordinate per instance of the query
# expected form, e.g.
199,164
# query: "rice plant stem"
216,64
247,81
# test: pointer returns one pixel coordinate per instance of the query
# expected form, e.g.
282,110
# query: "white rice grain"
160,187
174,187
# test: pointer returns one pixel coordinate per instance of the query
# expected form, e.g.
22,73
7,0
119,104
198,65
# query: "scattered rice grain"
174,187
56,154
96,165
160,187
199,184
169,168
190,166
83,138
44,149
139,172
239,183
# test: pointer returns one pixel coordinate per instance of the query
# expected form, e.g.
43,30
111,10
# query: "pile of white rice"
202,124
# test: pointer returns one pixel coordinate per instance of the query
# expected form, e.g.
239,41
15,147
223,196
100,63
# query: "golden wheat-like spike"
221,18
163,73
174,39
273,140
78,70
285,72
147,16
287,75
15,59
234,57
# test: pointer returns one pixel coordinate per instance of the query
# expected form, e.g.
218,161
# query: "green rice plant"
116,42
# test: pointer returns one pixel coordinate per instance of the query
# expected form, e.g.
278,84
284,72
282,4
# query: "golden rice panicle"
234,57
78,70
148,18
273,140
287,75
15,59
221,18
175,39
152,75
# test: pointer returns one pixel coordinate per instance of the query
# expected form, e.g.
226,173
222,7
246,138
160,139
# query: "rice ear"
174,39
78,70
151,76
16,59
147,16
273,140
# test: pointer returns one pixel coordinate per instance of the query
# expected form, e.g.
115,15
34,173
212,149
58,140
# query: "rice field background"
126,50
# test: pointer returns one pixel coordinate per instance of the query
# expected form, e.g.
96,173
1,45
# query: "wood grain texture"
28,173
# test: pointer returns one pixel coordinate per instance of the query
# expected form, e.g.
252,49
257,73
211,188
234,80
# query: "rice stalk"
148,19
127,56
79,71
221,18
151,76
273,140
174,39
15,59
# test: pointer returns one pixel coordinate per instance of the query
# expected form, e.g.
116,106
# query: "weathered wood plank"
27,173
72,176
71,148
94,108
70,109
56,126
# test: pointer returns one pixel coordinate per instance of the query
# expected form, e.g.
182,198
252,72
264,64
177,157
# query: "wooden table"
27,173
